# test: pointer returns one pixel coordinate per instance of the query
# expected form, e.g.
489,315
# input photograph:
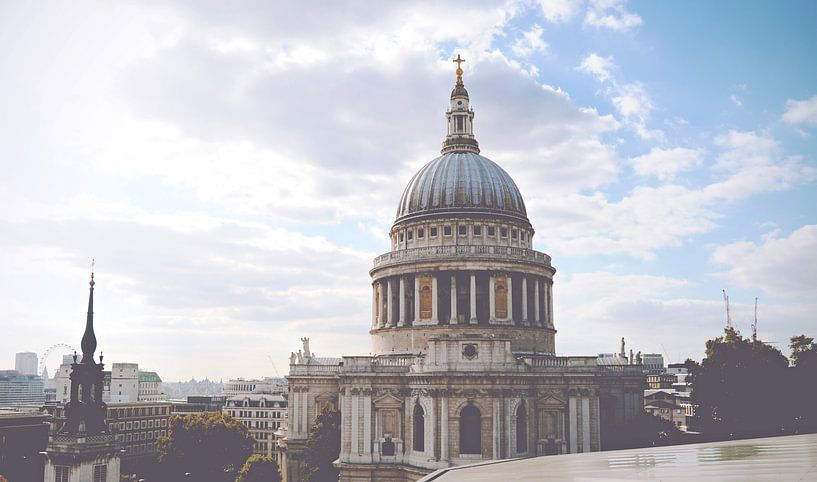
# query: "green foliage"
644,431
804,383
803,350
739,389
259,468
207,445
322,448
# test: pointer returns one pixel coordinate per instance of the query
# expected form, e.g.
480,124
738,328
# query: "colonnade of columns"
396,304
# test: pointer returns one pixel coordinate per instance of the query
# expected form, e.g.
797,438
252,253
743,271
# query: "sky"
233,168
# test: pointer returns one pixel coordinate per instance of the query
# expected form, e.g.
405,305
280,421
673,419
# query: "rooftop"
792,457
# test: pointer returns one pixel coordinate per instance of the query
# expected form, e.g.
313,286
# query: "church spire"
460,117
89,338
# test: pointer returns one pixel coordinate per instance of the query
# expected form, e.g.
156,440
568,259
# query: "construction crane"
728,313
273,367
754,324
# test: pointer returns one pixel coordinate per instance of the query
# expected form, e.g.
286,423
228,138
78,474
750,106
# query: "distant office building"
198,404
123,383
241,386
18,389
26,363
660,381
23,435
150,387
262,414
653,363
667,405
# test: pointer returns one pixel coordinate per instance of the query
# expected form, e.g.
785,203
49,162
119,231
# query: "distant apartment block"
26,363
18,389
262,414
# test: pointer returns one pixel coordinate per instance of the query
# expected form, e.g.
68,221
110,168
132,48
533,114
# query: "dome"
461,183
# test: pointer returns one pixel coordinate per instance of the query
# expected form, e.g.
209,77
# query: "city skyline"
234,175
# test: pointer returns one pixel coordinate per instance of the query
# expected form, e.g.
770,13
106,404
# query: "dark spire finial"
89,338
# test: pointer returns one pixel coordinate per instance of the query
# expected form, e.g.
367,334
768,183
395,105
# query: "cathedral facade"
463,366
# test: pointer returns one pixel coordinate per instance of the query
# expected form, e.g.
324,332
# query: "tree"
259,468
322,448
804,383
207,445
803,350
645,430
739,388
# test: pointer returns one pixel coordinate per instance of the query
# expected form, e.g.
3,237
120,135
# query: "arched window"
521,428
419,428
470,431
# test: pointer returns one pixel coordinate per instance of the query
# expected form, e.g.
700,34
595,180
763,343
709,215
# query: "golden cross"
459,62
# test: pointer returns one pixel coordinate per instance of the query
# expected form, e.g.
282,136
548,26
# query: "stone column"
510,298
435,314
367,425
305,410
573,424
453,299
389,303
401,319
524,299
536,300
374,306
585,423
444,425
491,299
294,412
382,305
550,303
354,436
473,295
510,446
497,434
416,298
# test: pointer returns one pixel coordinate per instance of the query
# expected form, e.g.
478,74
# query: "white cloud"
611,14
634,104
784,266
631,100
665,164
647,219
558,11
598,66
801,111
530,42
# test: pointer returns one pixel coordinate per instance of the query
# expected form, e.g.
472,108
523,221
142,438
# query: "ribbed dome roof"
461,183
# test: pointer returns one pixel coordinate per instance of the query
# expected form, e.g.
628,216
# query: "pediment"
388,401
550,399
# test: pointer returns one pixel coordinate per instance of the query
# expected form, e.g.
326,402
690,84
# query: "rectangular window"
503,232
491,231
129,425
121,425
513,234
61,473
410,235
447,231
150,423
400,237
462,230
421,233
522,235
144,424
100,473
433,232
460,123
164,422
477,230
